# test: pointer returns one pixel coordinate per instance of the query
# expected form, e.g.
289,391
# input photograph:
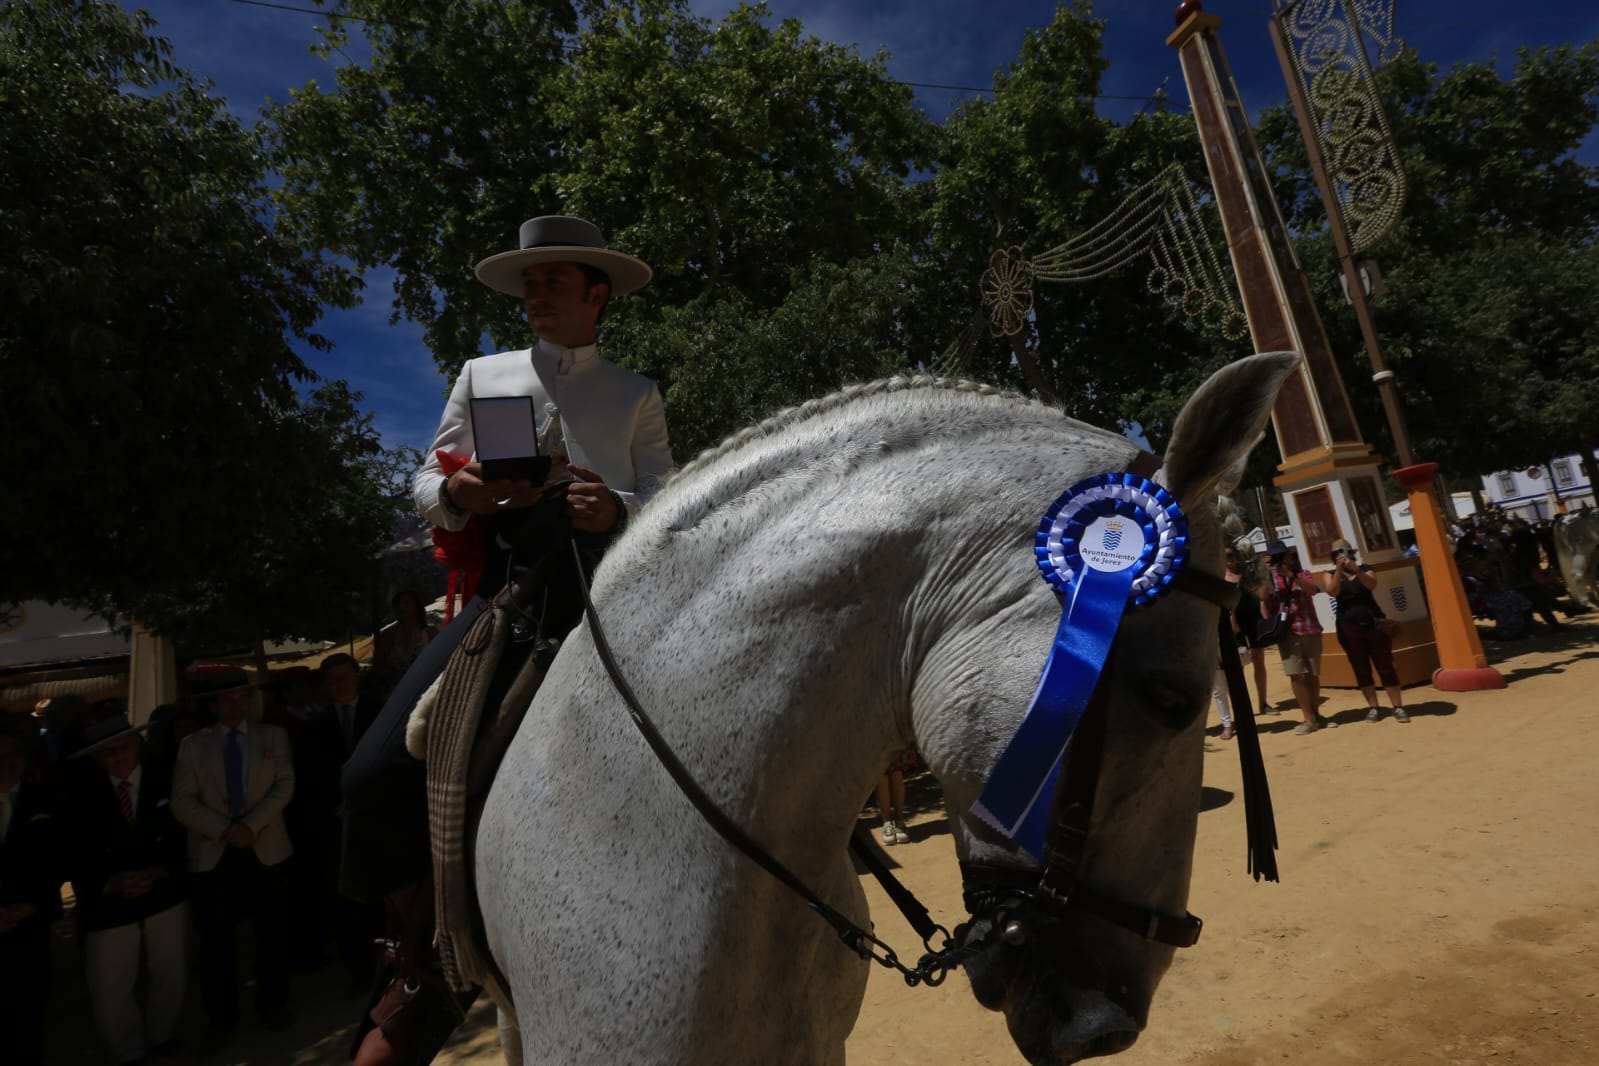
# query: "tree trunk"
261,667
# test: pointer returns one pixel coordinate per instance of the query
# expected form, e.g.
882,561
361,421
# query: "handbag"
1269,631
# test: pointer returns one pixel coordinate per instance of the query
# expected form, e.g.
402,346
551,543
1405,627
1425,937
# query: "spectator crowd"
1507,564
1509,570
221,811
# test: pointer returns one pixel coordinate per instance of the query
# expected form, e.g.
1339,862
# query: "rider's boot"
415,1012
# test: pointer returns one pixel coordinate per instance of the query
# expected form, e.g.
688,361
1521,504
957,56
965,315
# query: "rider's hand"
470,492
590,504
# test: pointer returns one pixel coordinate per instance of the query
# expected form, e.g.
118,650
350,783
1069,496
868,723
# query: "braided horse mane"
849,394
862,395
823,442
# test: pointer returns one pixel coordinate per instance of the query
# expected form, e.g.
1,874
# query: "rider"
606,430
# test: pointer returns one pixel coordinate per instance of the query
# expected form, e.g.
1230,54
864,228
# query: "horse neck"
829,654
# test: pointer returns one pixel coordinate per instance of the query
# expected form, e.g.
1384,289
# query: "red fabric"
1301,612
460,550
125,798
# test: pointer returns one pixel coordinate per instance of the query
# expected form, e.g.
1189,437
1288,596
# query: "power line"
323,14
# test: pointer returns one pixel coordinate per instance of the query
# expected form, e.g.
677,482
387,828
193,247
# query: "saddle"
464,723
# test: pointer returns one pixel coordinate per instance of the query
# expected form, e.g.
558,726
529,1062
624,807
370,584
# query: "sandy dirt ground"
1439,901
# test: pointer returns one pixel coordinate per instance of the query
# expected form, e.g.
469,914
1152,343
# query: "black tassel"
1261,827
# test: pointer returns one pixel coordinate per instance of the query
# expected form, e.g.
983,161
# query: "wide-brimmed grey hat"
562,239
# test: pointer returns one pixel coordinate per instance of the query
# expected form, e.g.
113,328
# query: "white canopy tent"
1399,512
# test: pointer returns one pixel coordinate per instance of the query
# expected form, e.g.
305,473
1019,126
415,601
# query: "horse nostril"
1015,934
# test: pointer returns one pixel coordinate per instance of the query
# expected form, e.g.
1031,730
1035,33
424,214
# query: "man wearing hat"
229,788
607,428
609,423
604,428
125,854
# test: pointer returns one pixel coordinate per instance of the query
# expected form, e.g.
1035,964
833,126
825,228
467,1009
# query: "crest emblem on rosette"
1110,523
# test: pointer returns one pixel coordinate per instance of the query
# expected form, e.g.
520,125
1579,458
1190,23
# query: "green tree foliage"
1488,321
730,155
733,362
1035,166
765,174
427,157
747,162
167,469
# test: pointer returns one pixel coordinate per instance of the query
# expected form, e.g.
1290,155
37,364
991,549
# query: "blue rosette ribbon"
1109,543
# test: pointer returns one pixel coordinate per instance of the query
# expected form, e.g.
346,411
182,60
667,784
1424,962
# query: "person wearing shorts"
1300,649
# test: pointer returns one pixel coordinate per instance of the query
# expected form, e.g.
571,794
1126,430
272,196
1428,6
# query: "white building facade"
1565,482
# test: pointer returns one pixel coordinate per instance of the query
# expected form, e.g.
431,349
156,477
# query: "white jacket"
613,420
200,793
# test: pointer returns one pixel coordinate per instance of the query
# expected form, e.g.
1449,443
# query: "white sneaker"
889,836
900,836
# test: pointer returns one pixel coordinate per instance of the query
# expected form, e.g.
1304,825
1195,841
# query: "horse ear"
1220,424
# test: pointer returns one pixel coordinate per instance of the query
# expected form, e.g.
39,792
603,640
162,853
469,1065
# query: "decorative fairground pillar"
1329,476
1462,665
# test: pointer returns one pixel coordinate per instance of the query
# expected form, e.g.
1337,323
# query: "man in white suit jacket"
604,427
608,422
229,787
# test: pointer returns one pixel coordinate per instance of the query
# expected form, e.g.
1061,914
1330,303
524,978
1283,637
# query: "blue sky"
256,53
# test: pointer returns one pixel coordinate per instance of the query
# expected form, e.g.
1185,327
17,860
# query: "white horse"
846,578
1577,545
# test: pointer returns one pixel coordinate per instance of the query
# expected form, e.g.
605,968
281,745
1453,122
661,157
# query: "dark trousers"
1366,645
386,841
239,888
24,991
356,929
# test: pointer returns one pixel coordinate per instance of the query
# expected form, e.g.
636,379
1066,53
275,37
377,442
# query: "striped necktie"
125,798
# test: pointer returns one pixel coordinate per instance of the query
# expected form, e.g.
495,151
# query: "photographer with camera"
1363,632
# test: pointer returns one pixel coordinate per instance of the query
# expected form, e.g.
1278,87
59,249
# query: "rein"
933,966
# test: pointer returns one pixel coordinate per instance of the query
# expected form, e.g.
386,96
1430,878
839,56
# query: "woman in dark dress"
1360,631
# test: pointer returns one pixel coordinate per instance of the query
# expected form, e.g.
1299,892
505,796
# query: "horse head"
1070,983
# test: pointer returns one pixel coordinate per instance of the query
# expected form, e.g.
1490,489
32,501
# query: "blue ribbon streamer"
1017,798
1020,790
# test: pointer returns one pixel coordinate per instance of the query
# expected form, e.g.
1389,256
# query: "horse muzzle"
1059,1005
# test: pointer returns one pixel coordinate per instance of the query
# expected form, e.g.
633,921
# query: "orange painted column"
1462,665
